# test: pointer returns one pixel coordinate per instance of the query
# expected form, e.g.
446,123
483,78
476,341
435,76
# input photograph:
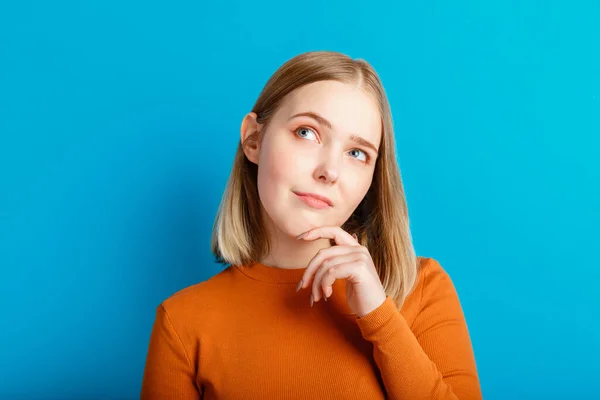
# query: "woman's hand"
346,260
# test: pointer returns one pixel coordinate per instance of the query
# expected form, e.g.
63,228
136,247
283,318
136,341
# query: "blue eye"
360,151
300,130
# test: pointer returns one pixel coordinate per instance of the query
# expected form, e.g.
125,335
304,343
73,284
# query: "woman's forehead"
344,107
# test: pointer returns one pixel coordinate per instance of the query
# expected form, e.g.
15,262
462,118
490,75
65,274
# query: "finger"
321,256
340,236
324,267
340,271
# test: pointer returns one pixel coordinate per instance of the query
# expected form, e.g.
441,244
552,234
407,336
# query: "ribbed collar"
271,274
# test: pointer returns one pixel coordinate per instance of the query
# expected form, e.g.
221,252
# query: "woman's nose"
328,171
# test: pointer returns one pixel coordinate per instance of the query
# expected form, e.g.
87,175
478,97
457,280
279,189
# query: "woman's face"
316,143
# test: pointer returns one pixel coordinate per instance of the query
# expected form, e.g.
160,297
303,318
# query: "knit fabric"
246,333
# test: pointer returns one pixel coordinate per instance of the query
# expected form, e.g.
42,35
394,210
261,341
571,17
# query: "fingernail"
299,286
324,297
312,300
301,236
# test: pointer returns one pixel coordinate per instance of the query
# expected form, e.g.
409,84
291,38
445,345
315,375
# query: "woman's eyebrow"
323,121
364,142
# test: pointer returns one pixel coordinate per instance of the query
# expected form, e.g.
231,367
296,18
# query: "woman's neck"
292,253
288,252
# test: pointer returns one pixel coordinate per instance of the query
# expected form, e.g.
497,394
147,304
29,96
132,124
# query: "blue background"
118,126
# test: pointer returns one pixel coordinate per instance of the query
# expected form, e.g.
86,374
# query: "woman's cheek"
277,168
273,178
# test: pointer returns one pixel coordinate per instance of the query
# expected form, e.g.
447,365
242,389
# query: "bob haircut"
380,221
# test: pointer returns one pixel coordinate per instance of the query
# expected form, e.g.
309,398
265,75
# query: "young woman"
315,210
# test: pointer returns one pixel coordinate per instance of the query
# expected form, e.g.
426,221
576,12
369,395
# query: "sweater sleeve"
169,373
433,358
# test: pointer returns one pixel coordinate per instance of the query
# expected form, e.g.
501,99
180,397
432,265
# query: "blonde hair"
381,219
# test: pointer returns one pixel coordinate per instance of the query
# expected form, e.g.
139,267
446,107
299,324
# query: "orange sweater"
246,334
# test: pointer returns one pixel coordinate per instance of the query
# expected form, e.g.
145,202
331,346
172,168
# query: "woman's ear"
249,133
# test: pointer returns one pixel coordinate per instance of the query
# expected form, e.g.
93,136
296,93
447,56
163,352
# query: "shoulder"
431,272
432,281
206,297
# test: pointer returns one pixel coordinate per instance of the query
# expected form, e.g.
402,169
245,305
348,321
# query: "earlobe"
249,135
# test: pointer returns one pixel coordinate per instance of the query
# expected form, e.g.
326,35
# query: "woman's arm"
169,373
433,358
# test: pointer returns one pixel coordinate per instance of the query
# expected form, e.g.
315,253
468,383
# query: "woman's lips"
313,201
